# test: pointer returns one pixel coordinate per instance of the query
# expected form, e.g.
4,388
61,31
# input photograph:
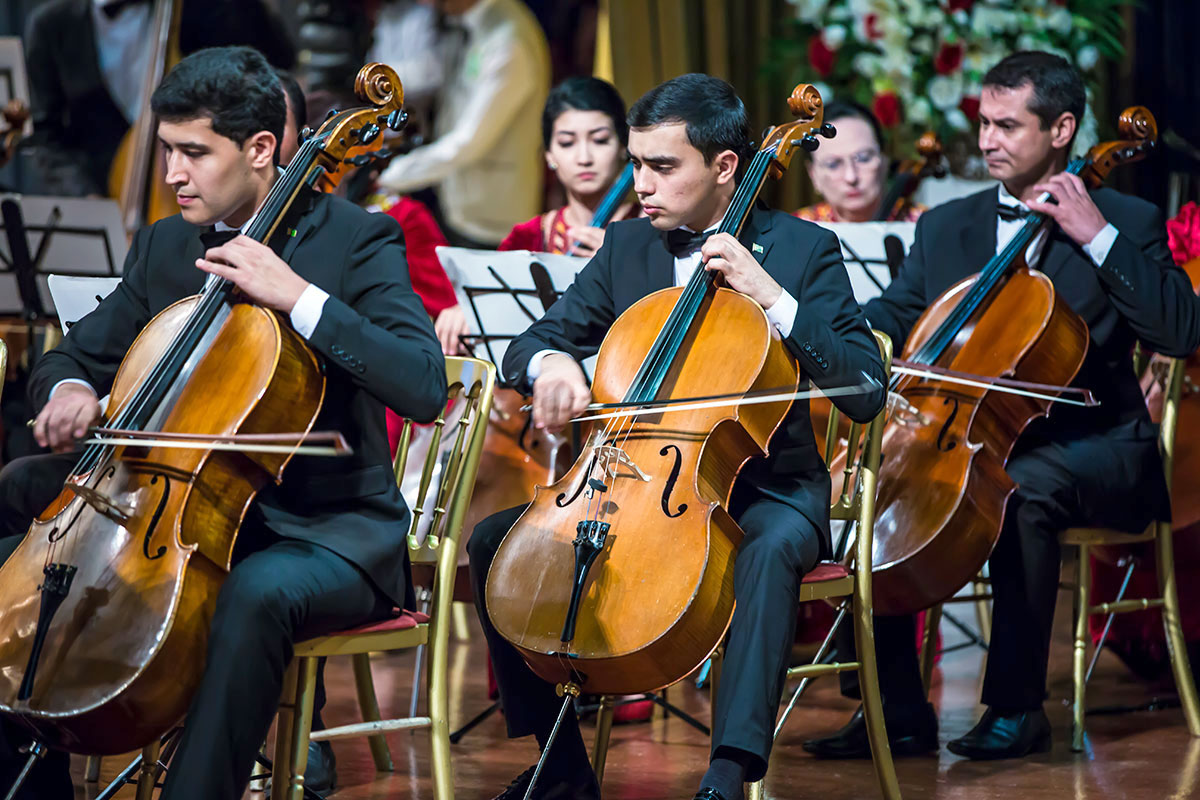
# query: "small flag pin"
756,248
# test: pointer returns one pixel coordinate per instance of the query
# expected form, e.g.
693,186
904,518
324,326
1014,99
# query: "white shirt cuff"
79,381
306,314
782,313
1101,243
535,364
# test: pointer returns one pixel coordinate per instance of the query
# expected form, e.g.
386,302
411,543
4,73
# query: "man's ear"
726,163
1062,129
260,149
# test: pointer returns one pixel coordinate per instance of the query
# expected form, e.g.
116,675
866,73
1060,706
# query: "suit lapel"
756,234
977,236
660,266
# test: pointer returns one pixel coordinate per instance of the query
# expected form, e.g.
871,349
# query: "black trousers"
780,545
1091,481
279,591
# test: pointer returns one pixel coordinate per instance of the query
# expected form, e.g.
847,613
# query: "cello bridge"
610,459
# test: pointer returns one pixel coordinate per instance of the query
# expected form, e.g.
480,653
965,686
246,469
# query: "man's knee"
778,538
487,535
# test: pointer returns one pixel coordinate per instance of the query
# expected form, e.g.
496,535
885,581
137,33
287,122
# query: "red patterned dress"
823,212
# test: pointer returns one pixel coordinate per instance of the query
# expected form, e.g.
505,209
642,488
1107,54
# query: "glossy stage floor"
1137,755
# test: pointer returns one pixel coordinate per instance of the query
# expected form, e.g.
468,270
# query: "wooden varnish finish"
123,654
942,486
659,597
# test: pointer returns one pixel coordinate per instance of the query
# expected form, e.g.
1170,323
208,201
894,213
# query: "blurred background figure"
483,159
850,171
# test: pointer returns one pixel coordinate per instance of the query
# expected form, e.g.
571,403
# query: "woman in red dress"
584,132
850,170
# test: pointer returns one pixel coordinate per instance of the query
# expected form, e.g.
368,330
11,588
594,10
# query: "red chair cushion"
826,572
402,621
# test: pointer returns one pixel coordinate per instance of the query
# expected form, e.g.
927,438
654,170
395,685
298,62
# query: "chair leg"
714,683
296,745
983,610
929,634
285,722
148,776
1184,682
1083,601
868,680
755,791
604,721
368,706
462,622
437,692
91,769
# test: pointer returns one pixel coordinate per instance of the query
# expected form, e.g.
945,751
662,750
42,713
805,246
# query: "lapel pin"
292,232
756,248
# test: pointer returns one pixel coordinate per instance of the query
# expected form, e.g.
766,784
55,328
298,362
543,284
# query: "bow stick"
315,443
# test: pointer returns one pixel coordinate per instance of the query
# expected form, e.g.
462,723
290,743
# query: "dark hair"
848,109
234,87
295,97
715,116
1057,86
584,94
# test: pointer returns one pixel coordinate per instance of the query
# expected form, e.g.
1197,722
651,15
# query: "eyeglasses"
861,160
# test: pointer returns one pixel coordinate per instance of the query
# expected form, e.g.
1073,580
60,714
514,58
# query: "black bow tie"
682,242
1012,213
214,238
114,7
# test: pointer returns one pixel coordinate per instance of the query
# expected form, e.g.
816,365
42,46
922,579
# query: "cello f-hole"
945,443
670,484
158,512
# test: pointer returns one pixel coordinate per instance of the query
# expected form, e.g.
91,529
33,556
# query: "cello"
578,585
943,486
105,605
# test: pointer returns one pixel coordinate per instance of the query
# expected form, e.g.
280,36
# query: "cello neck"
613,198
135,183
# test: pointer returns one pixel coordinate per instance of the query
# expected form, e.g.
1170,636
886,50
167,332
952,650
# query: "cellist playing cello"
324,550
1106,254
689,142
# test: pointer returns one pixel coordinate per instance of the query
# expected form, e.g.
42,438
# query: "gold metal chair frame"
471,384
856,504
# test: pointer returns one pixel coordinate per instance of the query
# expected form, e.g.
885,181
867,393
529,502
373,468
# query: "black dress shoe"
909,734
708,793
1004,736
320,774
582,787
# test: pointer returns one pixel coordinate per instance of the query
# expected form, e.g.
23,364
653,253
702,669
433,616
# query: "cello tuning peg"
828,131
306,133
810,143
331,114
397,119
368,133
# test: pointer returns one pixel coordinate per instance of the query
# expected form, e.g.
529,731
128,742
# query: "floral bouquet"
919,64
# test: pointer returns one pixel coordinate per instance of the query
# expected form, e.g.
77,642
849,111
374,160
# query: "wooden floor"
1139,755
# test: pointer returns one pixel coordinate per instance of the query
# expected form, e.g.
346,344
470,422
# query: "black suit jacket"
1136,294
829,336
374,337
77,125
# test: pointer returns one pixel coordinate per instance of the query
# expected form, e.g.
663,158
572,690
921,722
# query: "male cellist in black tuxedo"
325,549
689,141
1107,256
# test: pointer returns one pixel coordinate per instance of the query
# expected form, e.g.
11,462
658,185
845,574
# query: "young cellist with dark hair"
1107,257
689,142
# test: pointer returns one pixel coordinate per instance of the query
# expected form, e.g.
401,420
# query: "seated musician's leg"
530,704
780,545
911,720
286,592
28,485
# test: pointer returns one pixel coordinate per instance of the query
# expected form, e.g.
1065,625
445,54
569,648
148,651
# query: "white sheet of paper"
866,240
75,298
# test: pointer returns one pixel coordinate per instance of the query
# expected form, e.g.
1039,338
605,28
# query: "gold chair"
471,383
1160,534
856,506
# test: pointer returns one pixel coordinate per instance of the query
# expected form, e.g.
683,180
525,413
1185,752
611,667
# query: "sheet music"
72,236
74,298
498,294
864,253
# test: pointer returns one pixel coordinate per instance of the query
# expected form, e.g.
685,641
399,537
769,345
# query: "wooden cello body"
619,577
105,605
943,486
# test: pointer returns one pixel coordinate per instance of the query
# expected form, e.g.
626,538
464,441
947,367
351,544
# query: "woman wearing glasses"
851,171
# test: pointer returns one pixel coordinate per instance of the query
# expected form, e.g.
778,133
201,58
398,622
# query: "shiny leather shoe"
908,735
320,774
1004,736
708,793
552,787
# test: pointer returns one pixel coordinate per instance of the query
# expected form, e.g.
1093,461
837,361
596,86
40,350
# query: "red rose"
970,107
870,25
961,5
820,56
1183,234
948,59
887,109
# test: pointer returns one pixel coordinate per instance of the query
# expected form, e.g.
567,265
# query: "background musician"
316,553
1107,256
689,142
851,170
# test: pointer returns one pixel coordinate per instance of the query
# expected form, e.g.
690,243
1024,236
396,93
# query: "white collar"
1005,198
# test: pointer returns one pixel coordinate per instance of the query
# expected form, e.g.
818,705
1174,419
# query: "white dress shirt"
121,46
485,157
781,314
